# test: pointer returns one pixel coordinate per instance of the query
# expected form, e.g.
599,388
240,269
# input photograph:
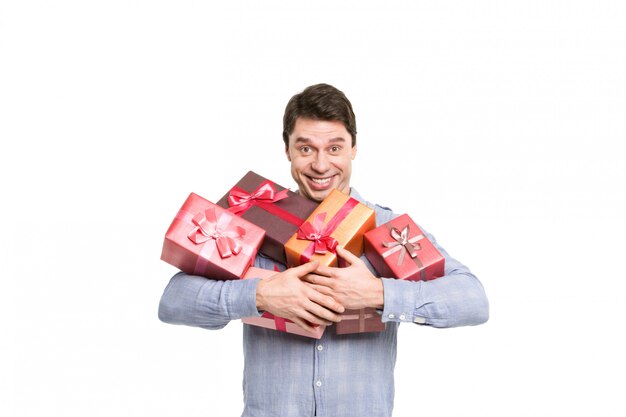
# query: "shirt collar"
355,194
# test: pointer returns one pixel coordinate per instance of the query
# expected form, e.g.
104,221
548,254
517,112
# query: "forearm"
450,301
210,304
456,299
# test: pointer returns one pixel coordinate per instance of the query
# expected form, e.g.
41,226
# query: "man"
339,375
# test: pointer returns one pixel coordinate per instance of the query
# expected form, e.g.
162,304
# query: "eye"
305,149
335,148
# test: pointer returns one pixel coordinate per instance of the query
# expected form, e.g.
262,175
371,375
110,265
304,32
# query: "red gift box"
204,239
272,207
399,249
269,321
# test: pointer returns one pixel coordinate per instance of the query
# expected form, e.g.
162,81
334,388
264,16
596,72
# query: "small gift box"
360,321
205,239
338,220
269,321
272,207
399,249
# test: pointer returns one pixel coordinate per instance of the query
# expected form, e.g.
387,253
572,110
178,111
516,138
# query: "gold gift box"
348,233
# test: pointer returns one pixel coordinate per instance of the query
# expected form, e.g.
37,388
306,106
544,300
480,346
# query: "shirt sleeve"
456,299
201,302
211,304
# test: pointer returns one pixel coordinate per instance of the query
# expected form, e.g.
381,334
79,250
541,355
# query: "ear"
353,152
287,153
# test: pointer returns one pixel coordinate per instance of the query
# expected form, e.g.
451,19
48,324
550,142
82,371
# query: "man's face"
321,155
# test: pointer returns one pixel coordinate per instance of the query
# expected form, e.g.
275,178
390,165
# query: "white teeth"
321,181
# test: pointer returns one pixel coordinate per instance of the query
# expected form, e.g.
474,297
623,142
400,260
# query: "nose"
321,163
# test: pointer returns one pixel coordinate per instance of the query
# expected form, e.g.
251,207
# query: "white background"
496,125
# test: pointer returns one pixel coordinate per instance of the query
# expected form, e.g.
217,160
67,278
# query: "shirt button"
402,317
391,316
320,347
318,383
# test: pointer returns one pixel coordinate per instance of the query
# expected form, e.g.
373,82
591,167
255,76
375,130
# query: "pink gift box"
269,321
205,239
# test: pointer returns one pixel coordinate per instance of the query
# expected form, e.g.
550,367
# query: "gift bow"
402,243
239,200
228,242
319,235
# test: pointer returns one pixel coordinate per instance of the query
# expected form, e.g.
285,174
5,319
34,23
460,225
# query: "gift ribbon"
228,242
211,227
279,322
239,200
404,244
264,197
320,235
362,320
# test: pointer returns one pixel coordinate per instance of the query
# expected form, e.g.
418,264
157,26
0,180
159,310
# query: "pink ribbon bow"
318,235
239,200
228,242
403,243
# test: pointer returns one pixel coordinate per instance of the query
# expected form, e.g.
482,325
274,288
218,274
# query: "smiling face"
321,155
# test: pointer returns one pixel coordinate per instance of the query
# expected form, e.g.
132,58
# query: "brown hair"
319,102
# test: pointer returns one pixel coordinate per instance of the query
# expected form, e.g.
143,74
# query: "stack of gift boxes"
221,241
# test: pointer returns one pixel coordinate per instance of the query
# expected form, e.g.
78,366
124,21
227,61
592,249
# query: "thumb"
346,254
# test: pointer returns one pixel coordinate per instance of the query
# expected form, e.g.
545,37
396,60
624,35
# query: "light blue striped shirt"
338,375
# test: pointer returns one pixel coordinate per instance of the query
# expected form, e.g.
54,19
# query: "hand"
286,295
354,287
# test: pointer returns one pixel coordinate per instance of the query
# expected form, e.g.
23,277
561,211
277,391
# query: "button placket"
319,348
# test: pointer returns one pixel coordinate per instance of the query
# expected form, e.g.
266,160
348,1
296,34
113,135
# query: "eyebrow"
307,140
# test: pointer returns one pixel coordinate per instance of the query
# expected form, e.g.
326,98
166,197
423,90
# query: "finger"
318,279
347,255
321,289
304,317
327,302
327,316
305,325
327,271
314,319
306,268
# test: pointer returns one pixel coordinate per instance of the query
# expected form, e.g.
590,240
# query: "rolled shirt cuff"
242,298
401,301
